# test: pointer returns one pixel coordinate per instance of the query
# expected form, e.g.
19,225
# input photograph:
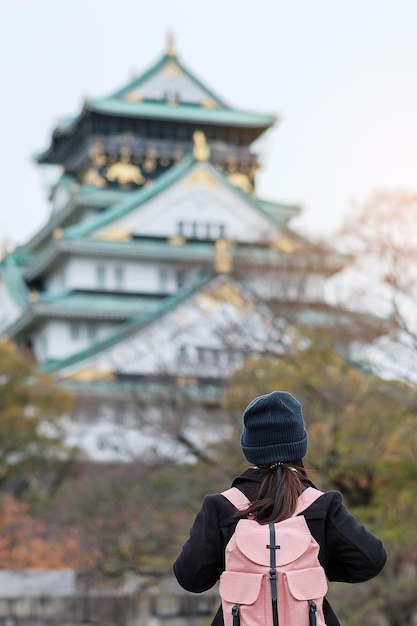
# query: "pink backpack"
273,576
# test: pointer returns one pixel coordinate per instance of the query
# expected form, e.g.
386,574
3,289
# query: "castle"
153,275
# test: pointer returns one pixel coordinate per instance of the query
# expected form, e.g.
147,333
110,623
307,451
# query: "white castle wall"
101,273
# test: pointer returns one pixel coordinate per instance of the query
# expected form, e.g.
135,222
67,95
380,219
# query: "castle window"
182,353
181,275
201,230
208,356
101,276
75,331
163,278
119,277
92,331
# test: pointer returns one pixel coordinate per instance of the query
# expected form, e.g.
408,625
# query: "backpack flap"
306,584
293,537
240,587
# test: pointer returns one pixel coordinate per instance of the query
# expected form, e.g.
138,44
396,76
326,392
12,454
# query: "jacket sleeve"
353,554
201,560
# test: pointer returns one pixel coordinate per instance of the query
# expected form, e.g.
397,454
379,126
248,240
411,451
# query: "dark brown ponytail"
278,492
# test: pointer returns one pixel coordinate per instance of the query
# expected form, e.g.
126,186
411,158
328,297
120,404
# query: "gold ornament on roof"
284,244
187,381
228,293
223,292
133,96
91,373
177,240
223,260
125,154
57,233
210,104
171,52
115,233
92,177
96,154
171,68
149,164
201,150
124,173
201,176
240,180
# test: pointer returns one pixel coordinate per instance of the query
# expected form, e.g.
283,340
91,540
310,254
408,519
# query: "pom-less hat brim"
285,452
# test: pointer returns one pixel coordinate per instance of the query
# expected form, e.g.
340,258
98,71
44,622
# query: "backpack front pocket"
307,584
241,588
239,592
308,588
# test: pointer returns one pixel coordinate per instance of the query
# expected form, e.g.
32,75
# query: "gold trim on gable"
240,180
177,240
90,374
209,104
115,233
201,176
171,68
223,261
284,244
187,381
224,292
133,96
227,293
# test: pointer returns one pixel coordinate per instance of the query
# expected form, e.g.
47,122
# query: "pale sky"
341,74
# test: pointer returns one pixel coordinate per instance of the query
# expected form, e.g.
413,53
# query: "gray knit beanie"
273,429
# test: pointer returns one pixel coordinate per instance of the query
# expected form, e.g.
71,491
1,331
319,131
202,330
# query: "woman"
274,440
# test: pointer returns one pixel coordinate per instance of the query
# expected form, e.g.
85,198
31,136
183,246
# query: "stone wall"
70,598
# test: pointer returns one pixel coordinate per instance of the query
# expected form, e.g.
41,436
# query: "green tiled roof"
180,112
14,282
95,305
81,195
166,91
278,210
168,81
210,392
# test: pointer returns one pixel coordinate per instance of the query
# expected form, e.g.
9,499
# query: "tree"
381,236
363,442
25,541
32,449
130,517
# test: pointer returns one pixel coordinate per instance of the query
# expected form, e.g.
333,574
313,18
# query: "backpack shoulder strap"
236,497
306,499
241,502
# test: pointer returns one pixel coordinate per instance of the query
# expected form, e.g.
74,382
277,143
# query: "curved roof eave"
181,112
14,282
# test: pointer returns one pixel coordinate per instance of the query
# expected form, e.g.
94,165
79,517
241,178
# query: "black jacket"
348,552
